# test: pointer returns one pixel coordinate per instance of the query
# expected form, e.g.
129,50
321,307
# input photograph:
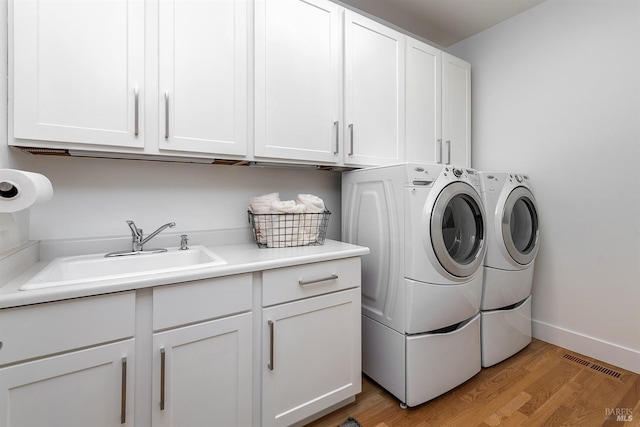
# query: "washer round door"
458,229
520,225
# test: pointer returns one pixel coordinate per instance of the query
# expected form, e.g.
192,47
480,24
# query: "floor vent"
606,371
594,366
577,360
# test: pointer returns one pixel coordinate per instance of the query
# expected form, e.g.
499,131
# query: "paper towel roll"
20,190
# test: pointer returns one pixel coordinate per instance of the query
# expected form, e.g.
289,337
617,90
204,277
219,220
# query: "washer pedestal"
505,332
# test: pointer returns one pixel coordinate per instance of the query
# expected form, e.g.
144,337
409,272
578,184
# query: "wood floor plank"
508,410
548,384
537,387
560,404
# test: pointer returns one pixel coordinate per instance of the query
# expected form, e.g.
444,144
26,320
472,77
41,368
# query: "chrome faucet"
137,237
138,240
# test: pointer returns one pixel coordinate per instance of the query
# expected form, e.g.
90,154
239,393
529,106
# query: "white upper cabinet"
374,92
298,79
170,78
438,106
78,71
203,76
423,102
456,111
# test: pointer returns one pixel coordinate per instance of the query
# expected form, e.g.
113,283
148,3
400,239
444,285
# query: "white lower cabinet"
202,364
59,365
92,387
311,356
202,374
183,355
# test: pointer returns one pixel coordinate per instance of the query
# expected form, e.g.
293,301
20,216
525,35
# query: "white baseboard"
604,351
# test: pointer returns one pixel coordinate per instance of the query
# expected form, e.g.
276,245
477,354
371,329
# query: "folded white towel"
262,205
313,203
287,206
315,207
285,229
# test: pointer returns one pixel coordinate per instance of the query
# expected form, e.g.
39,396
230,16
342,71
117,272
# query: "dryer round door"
458,229
520,225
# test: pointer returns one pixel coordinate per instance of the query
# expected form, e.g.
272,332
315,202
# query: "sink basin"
92,268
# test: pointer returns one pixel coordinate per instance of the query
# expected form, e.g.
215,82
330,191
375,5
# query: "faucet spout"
155,233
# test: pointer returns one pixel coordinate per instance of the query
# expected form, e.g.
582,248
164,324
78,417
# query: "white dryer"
422,281
512,246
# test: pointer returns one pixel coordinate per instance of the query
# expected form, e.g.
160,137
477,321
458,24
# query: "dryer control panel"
463,174
424,175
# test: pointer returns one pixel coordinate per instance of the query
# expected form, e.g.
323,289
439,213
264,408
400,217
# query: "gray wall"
556,94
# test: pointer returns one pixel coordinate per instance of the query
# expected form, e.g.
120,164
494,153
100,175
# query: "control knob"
457,172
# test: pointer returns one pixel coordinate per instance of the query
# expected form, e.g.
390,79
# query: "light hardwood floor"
543,385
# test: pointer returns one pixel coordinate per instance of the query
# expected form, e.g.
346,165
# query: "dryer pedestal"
418,368
505,332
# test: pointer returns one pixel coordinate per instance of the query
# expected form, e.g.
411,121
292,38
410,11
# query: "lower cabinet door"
202,374
311,356
91,387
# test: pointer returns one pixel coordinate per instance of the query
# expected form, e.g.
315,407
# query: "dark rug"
351,422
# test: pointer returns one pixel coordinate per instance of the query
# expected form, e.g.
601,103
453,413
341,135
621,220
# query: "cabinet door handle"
351,139
270,365
166,114
135,110
448,152
123,393
440,151
323,279
162,377
336,126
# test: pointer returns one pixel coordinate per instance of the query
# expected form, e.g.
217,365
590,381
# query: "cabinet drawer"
303,281
38,330
190,302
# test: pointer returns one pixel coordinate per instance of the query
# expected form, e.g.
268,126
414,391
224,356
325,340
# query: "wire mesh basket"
289,229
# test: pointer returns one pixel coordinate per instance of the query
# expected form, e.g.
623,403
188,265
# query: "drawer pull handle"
123,394
271,337
311,282
162,375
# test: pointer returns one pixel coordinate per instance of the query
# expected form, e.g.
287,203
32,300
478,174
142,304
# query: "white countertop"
240,258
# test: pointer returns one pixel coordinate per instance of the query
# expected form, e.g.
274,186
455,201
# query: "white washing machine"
422,281
512,246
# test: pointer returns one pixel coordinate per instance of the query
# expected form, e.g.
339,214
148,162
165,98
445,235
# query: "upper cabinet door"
423,100
298,79
78,71
203,76
456,111
374,88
